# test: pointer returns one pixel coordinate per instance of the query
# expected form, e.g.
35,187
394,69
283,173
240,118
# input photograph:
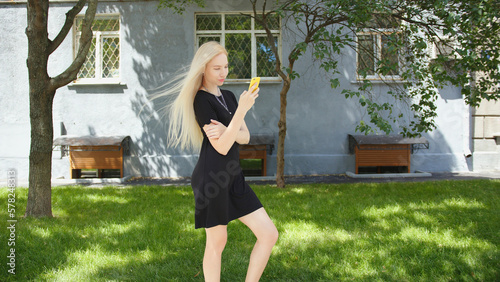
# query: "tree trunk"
40,167
280,155
42,92
40,160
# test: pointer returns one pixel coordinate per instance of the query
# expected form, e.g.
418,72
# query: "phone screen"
255,80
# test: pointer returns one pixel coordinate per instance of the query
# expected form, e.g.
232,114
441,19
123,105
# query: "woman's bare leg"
216,241
267,235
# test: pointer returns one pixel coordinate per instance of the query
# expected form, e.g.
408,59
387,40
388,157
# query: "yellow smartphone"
255,81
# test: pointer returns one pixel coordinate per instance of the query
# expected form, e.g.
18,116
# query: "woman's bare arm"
226,140
243,136
215,129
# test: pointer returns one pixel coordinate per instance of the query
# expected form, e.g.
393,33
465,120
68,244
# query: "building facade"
138,48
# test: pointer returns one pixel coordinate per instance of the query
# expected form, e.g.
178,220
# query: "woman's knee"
273,235
269,236
217,239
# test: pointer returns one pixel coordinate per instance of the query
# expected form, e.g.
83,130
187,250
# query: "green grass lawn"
426,231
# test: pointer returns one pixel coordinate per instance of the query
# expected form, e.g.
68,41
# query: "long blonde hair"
183,127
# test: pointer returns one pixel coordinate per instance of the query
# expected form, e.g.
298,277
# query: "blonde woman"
203,114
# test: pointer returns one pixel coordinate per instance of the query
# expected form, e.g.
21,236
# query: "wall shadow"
157,53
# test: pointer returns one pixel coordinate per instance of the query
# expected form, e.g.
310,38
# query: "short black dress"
220,191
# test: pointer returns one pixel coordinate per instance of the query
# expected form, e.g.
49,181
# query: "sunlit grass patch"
427,231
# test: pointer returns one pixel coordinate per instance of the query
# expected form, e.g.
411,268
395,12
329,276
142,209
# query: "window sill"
263,80
96,83
379,80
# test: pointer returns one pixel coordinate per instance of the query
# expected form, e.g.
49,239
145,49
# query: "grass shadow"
445,230
389,231
95,229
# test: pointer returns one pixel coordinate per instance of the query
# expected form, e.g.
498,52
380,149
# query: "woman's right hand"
247,99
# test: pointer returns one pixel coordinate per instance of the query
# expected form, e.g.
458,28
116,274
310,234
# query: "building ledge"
17,2
388,175
90,181
97,83
497,137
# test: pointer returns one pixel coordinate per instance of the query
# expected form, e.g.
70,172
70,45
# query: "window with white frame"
102,64
245,41
374,50
443,46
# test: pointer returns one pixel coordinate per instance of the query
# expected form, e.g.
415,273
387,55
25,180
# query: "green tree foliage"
435,43
179,6
411,47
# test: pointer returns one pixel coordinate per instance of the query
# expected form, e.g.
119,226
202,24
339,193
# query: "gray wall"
157,44
486,138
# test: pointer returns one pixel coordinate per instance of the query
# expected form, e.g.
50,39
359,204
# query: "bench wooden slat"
383,155
96,157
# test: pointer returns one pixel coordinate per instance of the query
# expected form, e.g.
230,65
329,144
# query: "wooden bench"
258,148
93,152
384,150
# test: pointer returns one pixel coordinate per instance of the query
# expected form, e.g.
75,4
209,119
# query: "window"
103,60
374,50
245,41
443,47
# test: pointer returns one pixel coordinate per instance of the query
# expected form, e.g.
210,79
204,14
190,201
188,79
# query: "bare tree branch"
71,72
70,17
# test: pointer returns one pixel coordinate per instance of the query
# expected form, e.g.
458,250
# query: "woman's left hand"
214,130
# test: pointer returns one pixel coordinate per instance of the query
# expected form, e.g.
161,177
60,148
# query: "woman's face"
216,71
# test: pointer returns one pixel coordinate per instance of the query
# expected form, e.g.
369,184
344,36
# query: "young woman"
203,114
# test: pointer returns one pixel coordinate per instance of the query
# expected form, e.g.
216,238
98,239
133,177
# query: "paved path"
308,179
338,178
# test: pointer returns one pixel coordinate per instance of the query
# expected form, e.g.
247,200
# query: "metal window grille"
103,58
244,39
374,50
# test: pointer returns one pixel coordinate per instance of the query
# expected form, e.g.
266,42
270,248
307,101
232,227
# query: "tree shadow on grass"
388,231
109,229
392,231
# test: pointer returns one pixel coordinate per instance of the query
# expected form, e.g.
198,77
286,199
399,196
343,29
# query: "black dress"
220,191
